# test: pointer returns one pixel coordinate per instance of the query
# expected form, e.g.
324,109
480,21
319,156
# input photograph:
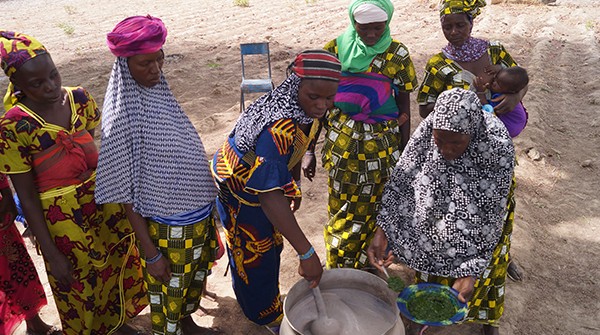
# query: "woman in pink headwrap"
48,151
153,161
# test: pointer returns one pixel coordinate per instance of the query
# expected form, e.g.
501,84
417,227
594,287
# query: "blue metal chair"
255,85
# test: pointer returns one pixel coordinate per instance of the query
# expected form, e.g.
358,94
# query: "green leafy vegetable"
431,306
396,283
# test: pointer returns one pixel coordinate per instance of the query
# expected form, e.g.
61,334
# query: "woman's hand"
295,204
465,287
376,251
161,270
311,270
309,165
61,269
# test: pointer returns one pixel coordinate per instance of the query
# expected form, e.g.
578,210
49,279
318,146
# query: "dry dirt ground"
557,233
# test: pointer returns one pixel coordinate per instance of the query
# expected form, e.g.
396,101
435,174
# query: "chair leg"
242,107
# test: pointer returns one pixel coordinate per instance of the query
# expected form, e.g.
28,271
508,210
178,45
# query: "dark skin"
315,97
457,29
370,34
39,81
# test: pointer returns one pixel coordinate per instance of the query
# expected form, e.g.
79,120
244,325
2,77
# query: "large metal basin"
360,301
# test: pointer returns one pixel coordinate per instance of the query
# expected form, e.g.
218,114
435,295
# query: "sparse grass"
589,25
213,65
67,28
241,3
71,10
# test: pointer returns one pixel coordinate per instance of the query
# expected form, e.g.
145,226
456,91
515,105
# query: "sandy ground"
557,233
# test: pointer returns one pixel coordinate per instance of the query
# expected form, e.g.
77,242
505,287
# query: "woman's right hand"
61,269
309,165
311,270
161,270
376,251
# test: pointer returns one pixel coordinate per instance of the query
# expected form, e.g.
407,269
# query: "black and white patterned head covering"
282,102
150,153
445,217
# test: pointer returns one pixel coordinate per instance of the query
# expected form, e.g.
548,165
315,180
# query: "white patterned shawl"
150,154
446,217
281,103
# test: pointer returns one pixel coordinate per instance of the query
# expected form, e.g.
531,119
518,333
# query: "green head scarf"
469,7
355,55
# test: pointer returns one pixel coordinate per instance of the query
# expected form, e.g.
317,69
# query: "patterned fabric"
316,64
470,51
97,239
394,63
359,158
366,97
253,244
16,49
21,292
445,217
150,149
191,252
487,303
469,7
280,103
354,54
442,73
137,35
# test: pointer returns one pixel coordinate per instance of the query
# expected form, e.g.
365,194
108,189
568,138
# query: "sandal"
53,330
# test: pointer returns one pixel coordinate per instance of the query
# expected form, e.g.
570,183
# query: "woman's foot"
189,327
36,326
490,330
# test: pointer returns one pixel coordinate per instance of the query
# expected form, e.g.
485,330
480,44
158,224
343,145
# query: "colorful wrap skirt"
21,292
254,248
191,251
99,241
486,306
360,158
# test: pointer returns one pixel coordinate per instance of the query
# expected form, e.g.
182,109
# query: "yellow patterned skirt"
191,252
360,158
99,241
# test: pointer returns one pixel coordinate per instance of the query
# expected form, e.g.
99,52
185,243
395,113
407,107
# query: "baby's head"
510,80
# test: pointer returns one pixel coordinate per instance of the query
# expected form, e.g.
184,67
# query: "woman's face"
146,68
316,96
370,33
39,80
457,28
451,144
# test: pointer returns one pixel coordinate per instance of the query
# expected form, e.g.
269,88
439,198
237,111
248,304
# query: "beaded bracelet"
308,254
155,258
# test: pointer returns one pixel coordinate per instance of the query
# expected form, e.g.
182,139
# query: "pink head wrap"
137,35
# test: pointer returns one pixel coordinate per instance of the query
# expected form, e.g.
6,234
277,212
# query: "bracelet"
155,258
308,254
310,153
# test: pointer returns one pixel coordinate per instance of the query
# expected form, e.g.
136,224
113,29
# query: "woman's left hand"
508,102
465,287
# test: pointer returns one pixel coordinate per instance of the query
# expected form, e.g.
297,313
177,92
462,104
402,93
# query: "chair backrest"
261,48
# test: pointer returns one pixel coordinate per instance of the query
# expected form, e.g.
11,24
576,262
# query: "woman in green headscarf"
365,131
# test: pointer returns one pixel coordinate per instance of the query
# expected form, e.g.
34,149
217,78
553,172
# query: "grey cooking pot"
365,293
